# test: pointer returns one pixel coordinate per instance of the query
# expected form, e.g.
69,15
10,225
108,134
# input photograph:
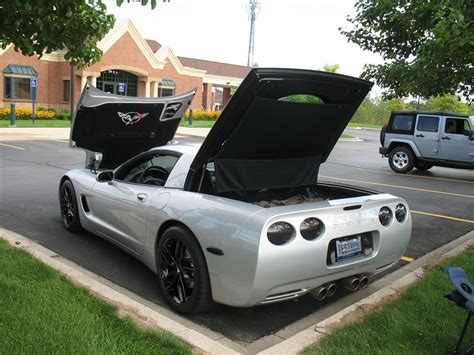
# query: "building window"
118,82
166,87
66,90
17,81
21,88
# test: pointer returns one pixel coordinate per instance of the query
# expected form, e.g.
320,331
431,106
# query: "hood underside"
121,127
267,138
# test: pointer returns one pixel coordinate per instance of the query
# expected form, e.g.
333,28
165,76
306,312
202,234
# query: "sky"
292,34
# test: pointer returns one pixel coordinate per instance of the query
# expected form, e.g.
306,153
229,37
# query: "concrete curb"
72,271
379,292
314,333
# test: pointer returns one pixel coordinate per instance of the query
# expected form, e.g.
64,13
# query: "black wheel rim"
176,270
67,205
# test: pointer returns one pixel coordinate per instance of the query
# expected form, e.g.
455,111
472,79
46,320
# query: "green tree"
43,26
331,68
427,46
446,103
395,104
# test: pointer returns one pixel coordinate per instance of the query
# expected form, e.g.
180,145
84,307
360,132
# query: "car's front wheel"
182,271
401,159
68,207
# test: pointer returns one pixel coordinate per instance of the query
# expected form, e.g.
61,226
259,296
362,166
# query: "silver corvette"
241,219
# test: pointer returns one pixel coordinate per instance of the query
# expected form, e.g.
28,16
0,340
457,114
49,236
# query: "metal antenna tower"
252,8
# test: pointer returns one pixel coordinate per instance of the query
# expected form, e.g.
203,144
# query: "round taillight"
400,212
385,216
280,233
311,228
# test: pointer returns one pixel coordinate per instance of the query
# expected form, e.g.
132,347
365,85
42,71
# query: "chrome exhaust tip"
364,281
319,293
331,290
351,283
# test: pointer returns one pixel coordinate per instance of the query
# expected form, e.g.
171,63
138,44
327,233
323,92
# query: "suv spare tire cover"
382,134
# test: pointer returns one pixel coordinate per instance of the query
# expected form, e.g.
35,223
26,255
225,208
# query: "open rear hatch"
121,127
264,139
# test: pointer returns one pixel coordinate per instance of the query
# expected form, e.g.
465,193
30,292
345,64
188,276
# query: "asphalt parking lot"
441,199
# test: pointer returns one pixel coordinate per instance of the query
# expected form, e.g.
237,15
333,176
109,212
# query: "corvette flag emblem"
130,118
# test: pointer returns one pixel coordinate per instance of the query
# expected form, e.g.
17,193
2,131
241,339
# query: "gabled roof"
216,68
154,45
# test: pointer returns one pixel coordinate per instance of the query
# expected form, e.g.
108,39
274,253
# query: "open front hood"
262,140
120,127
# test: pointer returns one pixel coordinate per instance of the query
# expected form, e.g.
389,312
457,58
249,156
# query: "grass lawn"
198,124
363,125
42,312
38,123
422,321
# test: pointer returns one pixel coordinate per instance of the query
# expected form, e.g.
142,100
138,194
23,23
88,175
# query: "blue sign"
33,81
121,87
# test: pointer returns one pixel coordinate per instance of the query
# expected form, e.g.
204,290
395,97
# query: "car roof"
418,112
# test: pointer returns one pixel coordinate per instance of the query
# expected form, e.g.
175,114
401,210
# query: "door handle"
446,138
420,135
142,197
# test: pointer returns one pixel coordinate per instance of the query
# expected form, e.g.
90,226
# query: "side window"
427,123
402,124
455,125
467,128
149,170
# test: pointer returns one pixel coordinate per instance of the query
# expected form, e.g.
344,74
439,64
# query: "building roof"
211,67
19,69
216,68
154,45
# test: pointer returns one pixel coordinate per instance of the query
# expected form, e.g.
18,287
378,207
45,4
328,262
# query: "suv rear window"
427,123
402,124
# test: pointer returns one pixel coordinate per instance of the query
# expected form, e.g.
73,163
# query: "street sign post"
12,107
33,84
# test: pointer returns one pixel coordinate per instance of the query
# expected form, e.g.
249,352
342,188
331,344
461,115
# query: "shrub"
26,113
63,115
200,115
45,109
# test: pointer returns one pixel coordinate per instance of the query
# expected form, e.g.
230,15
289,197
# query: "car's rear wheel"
68,207
423,166
182,271
401,159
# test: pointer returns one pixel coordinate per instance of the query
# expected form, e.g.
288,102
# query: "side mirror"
105,176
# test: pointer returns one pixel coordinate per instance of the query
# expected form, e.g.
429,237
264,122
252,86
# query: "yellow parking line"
407,259
443,216
12,146
398,186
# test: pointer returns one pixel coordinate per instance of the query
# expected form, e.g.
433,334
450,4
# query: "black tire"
382,135
68,207
182,271
401,159
423,166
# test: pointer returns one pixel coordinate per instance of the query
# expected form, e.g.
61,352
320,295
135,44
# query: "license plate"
348,248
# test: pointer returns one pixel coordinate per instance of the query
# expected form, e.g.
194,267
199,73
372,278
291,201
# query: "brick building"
130,65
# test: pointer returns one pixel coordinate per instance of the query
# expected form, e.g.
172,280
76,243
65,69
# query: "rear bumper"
384,151
291,270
